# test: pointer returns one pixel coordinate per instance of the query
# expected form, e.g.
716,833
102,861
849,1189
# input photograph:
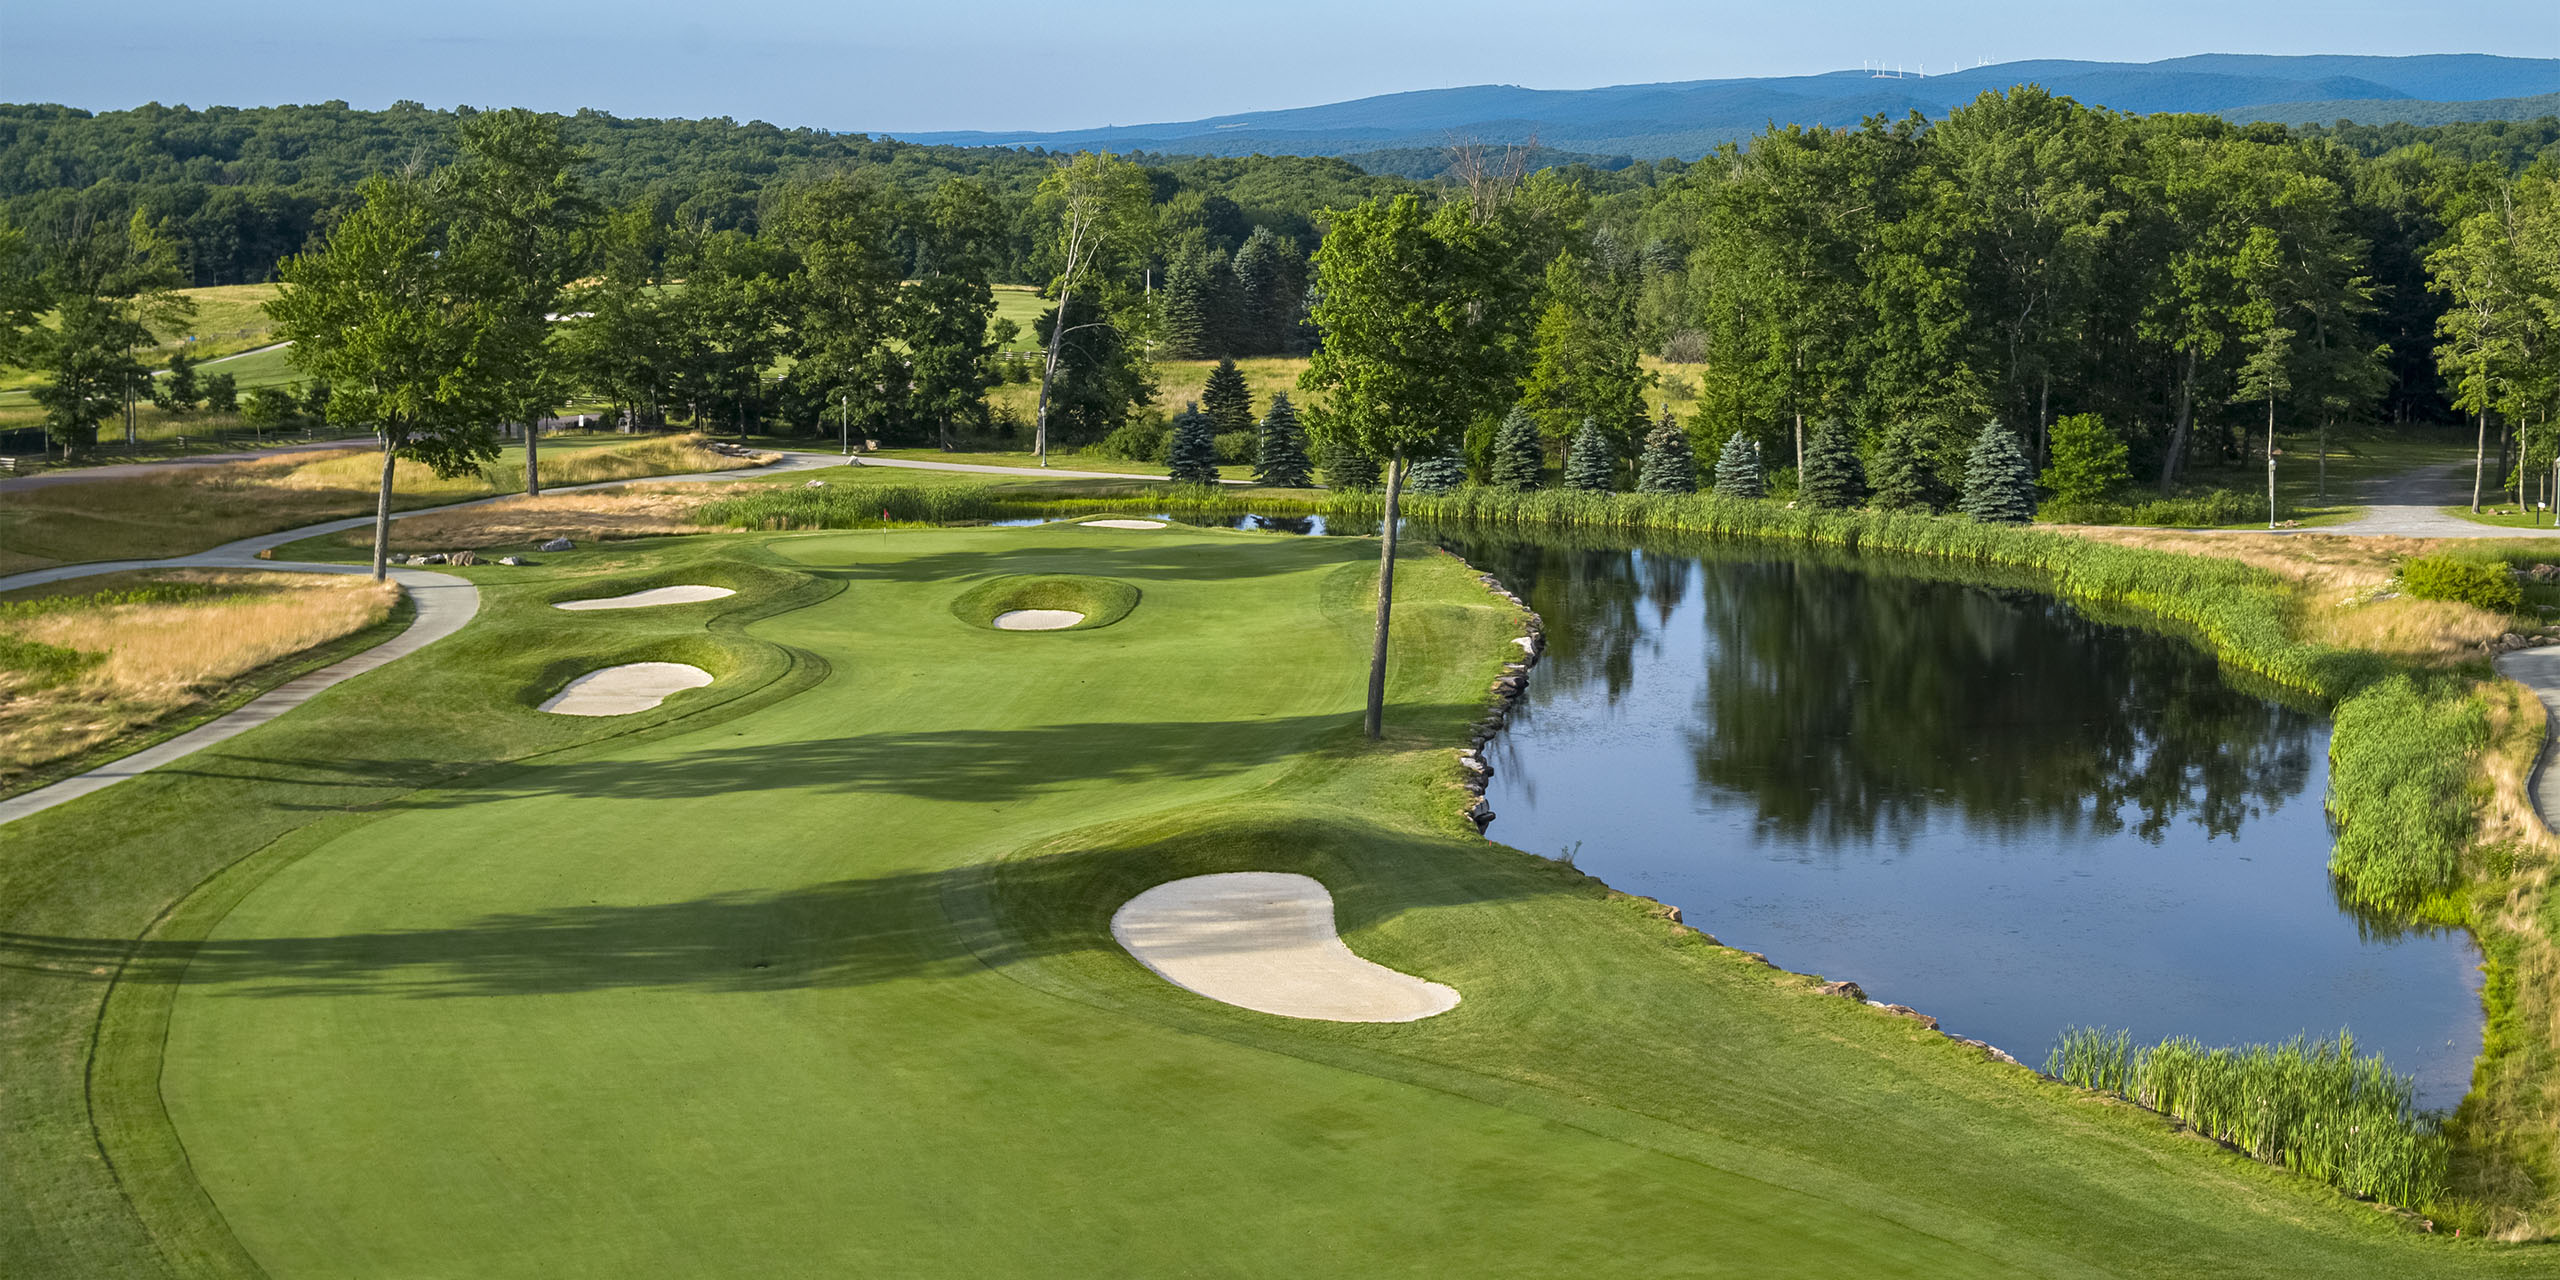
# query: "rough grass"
154,655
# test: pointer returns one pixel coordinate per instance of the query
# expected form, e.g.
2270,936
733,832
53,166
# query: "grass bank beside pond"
813,967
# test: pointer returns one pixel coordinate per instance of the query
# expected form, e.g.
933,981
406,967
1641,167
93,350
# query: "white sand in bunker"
648,598
1265,940
620,691
1123,524
1037,619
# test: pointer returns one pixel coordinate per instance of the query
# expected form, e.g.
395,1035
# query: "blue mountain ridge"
1689,118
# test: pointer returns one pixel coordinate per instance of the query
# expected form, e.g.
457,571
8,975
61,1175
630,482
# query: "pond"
1971,799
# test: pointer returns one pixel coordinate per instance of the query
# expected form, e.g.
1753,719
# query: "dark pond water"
1973,800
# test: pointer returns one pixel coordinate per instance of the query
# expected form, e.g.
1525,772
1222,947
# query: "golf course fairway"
811,972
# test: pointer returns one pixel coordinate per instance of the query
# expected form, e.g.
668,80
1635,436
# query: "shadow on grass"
960,765
842,933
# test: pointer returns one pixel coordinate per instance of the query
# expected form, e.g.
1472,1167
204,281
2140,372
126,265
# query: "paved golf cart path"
2539,670
2409,505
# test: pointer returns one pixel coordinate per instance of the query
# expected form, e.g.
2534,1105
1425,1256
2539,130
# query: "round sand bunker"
1037,619
649,598
1265,940
620,691
1124,524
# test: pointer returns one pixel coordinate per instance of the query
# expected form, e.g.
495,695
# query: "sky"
861,65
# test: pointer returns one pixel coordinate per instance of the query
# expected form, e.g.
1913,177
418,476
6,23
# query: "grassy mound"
1102,601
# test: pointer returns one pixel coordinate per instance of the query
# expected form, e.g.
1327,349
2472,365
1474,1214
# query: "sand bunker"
1265,940
645,599
1124,524
620,691
1037,619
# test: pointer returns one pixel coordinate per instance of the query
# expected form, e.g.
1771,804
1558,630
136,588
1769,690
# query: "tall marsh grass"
2311,1106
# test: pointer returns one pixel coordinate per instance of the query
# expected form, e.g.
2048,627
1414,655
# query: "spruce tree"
1519,453
1907,472
1349,467
1227,401
1738,468
1188,325
1833,477
1192,454
1593,468
1283,461
1669,466
1999,487
1437,474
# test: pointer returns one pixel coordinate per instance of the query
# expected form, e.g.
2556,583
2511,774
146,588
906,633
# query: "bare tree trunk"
2271,462
2324,460
1376,722
2178,430
533,455
2044,423
1048,373
382,513
2479,461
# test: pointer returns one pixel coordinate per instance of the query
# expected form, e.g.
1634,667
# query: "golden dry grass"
188,509
164,660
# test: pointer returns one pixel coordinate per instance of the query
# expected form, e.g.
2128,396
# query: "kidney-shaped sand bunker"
1265,940
1046,602
623,690
649,599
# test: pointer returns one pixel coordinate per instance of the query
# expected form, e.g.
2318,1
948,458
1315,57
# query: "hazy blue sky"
858,64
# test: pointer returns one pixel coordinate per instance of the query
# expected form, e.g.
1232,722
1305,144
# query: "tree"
176,390
221,393
1519,453
1189,329
1587,369
1998,487
1226,399
1833,478
521,213
944,322
1100,206
1593,465
1668,465
272,408
1094,375
1418,310
1906,474
1439,473
1270,285
400,327
1282,461
1191,455
2088,460
2484,327
1738,468
108,292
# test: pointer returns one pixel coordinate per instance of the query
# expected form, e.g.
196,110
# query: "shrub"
2088,460
2399,760
1236,448
1137,440
2472,582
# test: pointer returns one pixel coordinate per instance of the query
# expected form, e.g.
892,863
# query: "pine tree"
1668,466
1348,467
1907,473
1227,401
1283,462
1738,468
1998,486
1437,474
221,393
1833,477
1192,454
1519,453
1188,325
176,391
1593,468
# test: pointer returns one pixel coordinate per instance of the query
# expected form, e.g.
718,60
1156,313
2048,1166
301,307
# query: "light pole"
844,420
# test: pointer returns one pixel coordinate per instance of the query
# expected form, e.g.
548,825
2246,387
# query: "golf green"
811,972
